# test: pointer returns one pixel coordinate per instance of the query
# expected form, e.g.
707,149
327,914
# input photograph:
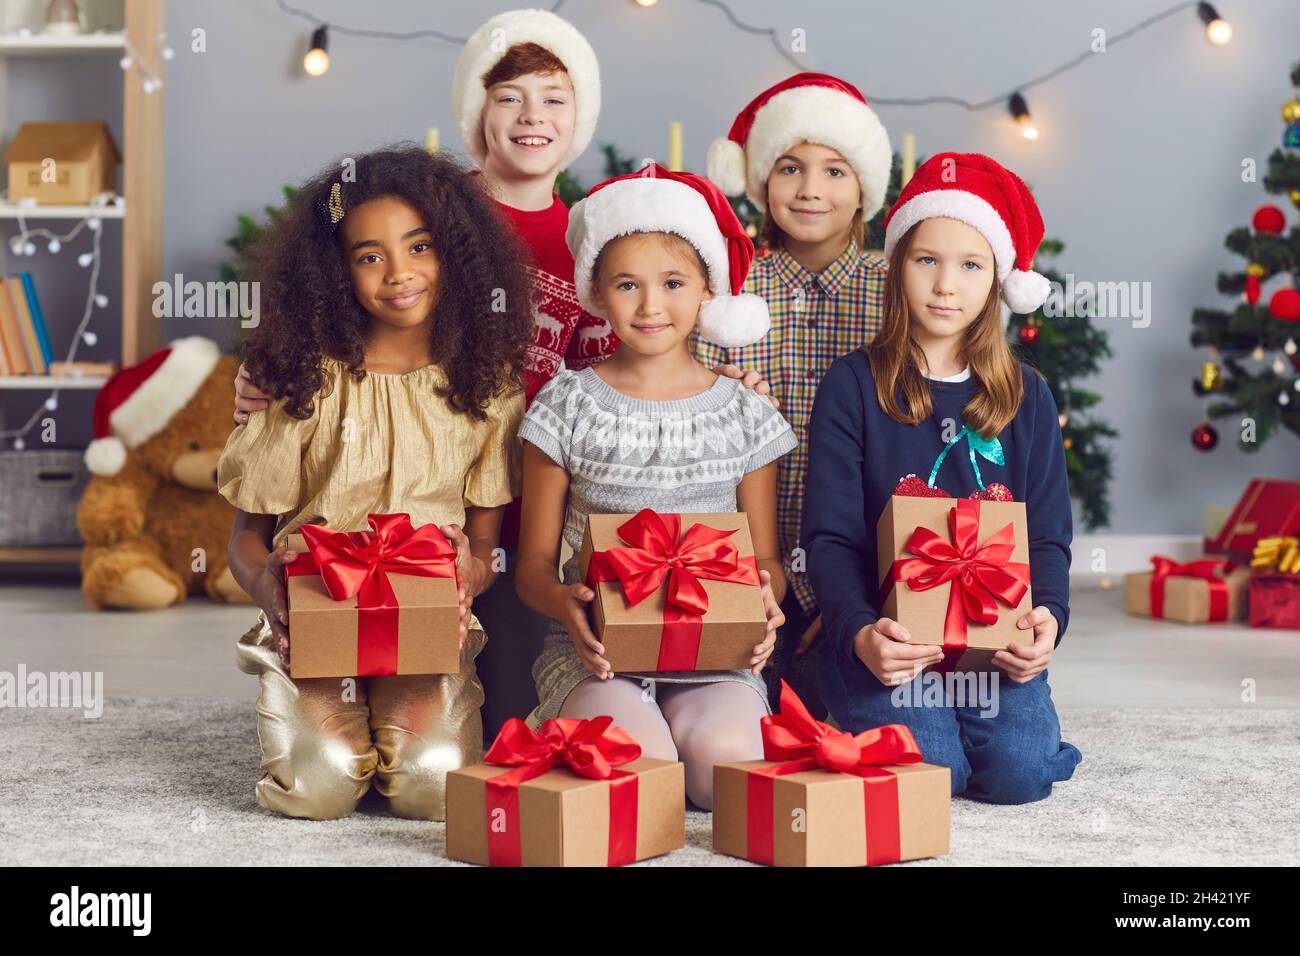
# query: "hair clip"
333,210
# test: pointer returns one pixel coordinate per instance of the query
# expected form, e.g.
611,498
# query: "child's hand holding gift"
1021,662
774,620
472,574
268,593
884,648
576,621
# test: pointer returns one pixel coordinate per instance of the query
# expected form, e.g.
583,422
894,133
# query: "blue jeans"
1011,757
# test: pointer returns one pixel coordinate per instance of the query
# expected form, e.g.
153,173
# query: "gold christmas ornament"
1068,442
1256,270
1211,380
1290,111
1295,198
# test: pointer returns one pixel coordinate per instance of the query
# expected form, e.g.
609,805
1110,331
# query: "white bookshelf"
45,382
38,44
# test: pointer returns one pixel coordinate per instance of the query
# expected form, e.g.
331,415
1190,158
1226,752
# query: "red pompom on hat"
981,192
807,107
136,403
655,199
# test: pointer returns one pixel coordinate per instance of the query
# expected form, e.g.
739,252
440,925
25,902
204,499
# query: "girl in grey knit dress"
651,427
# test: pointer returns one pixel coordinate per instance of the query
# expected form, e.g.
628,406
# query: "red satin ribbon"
981,575
357,563
805,743
1203,568
590,748
655,553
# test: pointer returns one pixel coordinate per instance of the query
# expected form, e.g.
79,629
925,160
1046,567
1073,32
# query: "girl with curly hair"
394,318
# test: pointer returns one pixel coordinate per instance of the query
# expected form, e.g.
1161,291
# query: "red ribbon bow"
655,553
981,575
590,748
1203,568
804,743
357,564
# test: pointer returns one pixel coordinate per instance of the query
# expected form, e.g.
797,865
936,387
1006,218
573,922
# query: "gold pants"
324,738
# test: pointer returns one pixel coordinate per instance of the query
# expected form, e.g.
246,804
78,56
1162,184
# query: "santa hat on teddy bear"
981,192
807,107
136,403
489,44
656,199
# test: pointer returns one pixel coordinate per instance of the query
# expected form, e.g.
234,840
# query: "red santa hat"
655,199
807,107
981,192
489,44
136,403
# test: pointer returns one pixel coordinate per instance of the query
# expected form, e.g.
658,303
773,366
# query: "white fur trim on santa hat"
105,456
488,45
726,165
643,205
734,321
165,392
828,117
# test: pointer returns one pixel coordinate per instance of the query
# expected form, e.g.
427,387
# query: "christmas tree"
1251,372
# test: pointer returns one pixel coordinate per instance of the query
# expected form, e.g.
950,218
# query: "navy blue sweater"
857,453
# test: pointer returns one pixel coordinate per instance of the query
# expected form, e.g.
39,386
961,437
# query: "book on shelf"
24,340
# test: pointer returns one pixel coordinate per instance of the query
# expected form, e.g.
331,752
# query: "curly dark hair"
482,315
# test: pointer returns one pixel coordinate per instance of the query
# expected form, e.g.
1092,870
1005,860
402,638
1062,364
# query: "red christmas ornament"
993,492
1285,305
1268,218
1028,334
1252,289
1205,437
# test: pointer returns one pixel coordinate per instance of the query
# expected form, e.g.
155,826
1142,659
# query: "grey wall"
1137,167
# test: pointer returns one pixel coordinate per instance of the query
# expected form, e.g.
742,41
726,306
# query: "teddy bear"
155,528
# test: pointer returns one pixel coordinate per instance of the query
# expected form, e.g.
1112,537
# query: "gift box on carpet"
577,793
1203,591
1275,582
372,603
823,797
955,572
668,601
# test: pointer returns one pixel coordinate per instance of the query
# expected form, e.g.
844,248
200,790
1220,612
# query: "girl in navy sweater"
940,375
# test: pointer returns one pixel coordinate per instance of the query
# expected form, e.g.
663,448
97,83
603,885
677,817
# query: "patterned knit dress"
624,454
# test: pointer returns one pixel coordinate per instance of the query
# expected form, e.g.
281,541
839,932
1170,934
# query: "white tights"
698,724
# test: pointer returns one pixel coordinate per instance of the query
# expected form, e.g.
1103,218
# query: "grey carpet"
170,782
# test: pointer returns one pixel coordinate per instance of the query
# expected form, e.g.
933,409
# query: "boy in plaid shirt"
812,155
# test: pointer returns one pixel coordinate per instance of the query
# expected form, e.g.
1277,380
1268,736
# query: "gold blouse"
386,444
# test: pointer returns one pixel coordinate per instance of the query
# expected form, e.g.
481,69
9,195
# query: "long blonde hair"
897,361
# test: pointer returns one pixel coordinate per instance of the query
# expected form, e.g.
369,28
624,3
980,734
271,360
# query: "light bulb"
93,224
16,244
54,245
90,338
29,248
85,259
168,53
317,60
52,403
125,63
19,444
101,300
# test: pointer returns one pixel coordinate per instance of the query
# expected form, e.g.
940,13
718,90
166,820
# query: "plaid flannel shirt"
816,318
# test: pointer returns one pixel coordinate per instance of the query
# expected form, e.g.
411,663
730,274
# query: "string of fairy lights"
1218,32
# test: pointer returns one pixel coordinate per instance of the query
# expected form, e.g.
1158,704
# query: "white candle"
431,139
675,146
909,156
